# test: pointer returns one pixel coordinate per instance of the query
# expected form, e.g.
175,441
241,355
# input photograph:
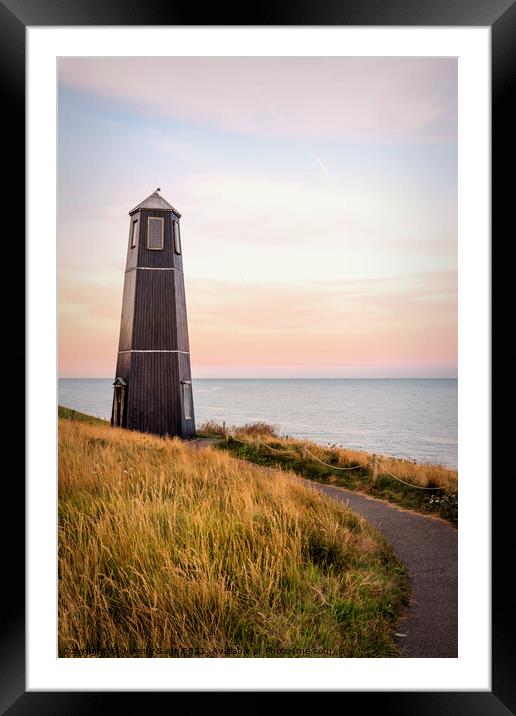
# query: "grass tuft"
257,429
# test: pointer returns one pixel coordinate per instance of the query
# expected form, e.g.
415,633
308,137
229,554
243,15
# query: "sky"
318,200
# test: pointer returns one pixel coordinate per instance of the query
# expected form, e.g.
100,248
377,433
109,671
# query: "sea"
410,418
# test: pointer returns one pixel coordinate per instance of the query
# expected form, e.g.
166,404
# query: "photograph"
258,366
258,384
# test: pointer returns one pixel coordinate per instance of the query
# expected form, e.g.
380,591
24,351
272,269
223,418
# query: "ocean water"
410,418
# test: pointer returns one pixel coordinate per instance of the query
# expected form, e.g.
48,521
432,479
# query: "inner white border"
471,671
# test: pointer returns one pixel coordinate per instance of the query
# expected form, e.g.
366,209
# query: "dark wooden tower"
153,383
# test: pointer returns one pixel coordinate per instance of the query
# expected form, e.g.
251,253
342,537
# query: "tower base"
153,393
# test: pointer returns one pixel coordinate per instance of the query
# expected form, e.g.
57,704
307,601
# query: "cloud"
401,321
373,99
363,323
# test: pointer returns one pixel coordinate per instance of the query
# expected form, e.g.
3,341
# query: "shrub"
258,428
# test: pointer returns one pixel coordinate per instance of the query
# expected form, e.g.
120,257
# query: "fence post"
224,428
375,469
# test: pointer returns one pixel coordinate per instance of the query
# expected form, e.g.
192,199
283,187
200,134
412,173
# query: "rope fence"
376,462
286,450
336,467
418,487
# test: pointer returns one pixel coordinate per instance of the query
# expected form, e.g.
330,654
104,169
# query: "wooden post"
224,428
375,469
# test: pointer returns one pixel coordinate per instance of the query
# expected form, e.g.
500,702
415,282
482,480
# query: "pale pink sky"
319,209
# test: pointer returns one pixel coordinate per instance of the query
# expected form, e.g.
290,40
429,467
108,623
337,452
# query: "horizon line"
293,378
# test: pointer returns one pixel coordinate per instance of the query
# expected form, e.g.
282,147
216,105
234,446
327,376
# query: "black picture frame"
15,16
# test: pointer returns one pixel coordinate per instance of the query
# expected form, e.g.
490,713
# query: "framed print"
258,288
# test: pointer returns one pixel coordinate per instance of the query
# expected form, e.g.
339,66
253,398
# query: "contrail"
284,122
319,161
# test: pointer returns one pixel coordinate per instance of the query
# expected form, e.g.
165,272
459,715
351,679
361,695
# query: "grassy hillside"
71,414
165,550
260,444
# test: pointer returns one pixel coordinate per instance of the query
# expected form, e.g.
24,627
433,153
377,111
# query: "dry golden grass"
424,474
167,550
260,435
423,487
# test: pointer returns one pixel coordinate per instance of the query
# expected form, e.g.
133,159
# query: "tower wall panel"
180,303
152,376
155,319
126,322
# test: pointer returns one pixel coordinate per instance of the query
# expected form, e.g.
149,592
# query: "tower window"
134,233
177,237
187,400
155,233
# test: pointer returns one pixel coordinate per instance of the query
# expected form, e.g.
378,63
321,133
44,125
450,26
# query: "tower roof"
155,201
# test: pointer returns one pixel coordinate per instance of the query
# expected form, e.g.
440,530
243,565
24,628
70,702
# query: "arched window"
187,399
177,237
134,233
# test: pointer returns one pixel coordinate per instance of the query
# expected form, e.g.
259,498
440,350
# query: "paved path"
203,442
428,547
